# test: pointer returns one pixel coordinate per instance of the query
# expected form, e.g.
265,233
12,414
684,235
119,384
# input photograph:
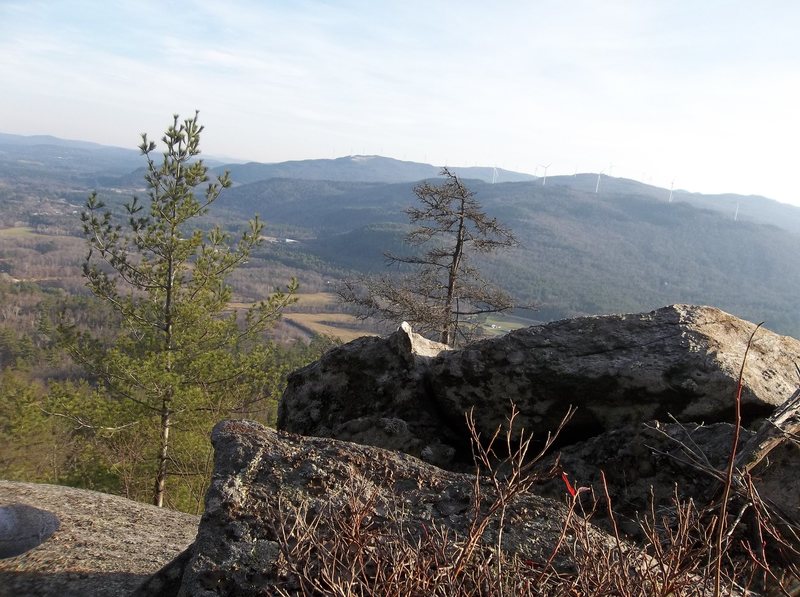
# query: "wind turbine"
736,215
597,186
544,179
671,185
494,174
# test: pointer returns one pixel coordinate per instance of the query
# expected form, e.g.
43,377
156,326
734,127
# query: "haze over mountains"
624,248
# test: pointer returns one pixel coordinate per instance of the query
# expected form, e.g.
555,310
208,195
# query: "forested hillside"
580,252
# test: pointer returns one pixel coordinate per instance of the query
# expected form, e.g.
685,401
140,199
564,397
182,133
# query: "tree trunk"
448,332
444,338
166,402
161,475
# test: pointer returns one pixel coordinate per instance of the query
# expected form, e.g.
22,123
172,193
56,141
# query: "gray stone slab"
24,527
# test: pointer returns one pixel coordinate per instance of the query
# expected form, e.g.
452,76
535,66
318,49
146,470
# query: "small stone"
24,527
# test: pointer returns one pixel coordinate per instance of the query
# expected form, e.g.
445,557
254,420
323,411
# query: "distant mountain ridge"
362,168
753,208
378,169
45,156
29,140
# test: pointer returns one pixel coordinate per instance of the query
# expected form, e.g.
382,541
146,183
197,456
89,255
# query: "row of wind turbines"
597,185
544,176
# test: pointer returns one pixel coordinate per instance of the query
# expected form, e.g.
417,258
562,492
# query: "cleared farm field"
18,232
339,325
316,299
312,299
498,324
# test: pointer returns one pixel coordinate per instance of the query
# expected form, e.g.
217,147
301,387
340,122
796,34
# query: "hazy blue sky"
700,91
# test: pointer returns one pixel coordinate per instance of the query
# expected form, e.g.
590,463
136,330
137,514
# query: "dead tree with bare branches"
440,289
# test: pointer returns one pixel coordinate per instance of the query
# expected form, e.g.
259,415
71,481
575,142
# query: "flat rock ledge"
105,546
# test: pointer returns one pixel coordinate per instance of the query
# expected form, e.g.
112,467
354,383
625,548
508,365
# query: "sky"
700,94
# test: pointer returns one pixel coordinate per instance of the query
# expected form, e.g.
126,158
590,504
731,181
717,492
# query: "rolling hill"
579,253
43,158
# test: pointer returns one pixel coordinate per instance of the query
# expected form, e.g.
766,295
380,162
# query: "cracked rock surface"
258,469
618,370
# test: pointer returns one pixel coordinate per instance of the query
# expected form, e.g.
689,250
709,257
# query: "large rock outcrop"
624,373
271,490
617,370
261,475
105,545
371,391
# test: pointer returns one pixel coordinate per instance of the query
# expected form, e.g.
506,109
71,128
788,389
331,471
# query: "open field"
497,324
304,300
346,327
339,325
316,299
18,232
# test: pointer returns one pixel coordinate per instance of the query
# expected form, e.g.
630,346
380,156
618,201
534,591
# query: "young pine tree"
181,352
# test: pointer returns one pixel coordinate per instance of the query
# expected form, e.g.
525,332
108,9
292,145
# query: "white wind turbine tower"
597,186
736,215
494,174
544,178
671,186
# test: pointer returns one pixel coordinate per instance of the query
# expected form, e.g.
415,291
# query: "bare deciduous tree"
443,287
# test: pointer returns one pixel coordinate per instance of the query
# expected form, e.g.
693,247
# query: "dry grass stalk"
360,544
